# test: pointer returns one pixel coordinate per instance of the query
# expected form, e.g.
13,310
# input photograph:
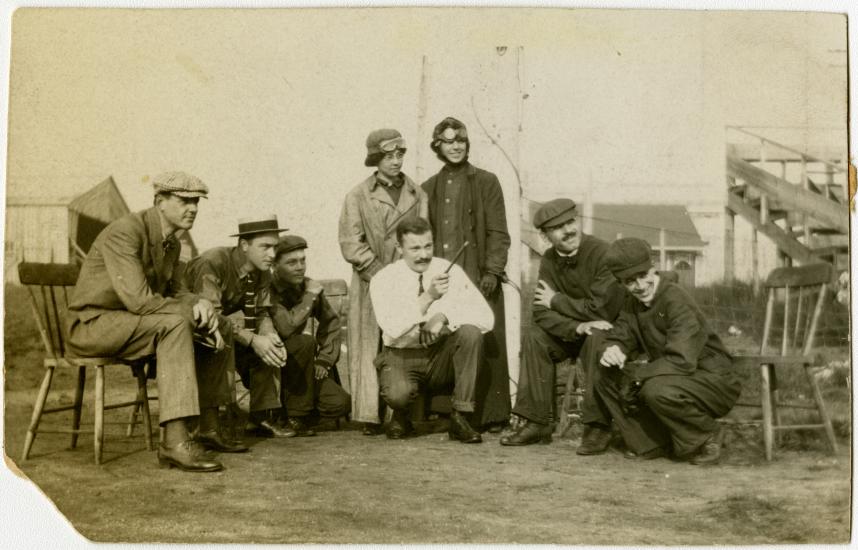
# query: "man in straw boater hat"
673,399
576,299
367,235
237,280
466,205
130,301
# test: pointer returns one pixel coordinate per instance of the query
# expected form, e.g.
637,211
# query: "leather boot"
595,440
300,427
212,440
188,456
529,434
399,426
710,452
461,430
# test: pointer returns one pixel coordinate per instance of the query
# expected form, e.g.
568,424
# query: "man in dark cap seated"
237,280
576,298
130,301
689,379
307,384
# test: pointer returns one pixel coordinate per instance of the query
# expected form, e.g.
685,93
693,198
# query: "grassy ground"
347,488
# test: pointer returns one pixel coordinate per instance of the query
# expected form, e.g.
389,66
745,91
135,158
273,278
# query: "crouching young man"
671,402
432,320
307,385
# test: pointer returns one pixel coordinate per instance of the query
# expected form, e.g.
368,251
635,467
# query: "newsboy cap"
382,141
288,243
181,184
252,226
555,212
628,256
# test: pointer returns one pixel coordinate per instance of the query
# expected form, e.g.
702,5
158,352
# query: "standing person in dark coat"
237,281
466,204
689,380
576,299
308,386
130,301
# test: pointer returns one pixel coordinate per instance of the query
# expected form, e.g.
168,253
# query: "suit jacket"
131,268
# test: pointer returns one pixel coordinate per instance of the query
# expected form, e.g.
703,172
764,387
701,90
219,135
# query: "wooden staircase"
806,214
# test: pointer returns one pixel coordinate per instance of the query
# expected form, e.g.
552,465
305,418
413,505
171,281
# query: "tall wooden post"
422,107
755,262
729,246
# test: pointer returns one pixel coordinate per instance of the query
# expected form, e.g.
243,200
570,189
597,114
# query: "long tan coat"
367,236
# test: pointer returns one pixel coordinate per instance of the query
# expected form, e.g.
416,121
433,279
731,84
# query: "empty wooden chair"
48,287
795,297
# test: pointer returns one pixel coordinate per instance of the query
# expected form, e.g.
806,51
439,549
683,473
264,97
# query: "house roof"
644,221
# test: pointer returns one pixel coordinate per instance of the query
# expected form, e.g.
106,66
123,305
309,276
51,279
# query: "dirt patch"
342,487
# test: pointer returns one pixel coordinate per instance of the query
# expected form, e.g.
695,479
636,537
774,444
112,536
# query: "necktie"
420,290
249,304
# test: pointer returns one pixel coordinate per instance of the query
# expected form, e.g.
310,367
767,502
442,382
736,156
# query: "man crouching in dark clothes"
689,380
307,386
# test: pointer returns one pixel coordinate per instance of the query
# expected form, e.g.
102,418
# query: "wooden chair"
47,285
797,294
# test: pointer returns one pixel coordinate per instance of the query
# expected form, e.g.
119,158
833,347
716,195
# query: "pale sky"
271,107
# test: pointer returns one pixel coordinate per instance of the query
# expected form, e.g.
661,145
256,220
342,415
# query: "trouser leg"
642,432
457,358
299,381
213,368
263,380
400,373
167,336
688,406
591,412
331,399
539,354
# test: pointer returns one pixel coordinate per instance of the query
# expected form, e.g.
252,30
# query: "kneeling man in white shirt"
432,321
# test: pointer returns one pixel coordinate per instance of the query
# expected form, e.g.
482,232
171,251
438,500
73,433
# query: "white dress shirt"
394,293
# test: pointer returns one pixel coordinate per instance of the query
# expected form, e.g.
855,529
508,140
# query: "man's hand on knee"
613,357
588,327
205,315
270,349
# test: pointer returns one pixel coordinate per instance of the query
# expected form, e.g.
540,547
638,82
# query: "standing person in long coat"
466,204
367,235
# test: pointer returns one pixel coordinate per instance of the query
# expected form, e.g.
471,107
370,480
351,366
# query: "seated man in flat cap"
432,320
237,280
576,299
689,379
307,384
130,301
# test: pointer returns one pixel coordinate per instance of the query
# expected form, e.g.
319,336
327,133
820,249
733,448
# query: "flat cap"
288,243
384,140
181,184
555,212
252,226
628,256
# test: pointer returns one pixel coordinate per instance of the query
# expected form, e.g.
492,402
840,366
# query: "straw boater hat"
254,226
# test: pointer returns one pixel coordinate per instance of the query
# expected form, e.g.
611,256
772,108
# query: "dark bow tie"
566,261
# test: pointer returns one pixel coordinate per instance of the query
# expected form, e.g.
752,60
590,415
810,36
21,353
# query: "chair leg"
37,412
78,404
98,436
823,413
776,412
766,397
144,405
566,405
135,408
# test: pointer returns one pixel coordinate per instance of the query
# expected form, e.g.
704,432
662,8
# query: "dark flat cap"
554,213
288,243
628,256
268,224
